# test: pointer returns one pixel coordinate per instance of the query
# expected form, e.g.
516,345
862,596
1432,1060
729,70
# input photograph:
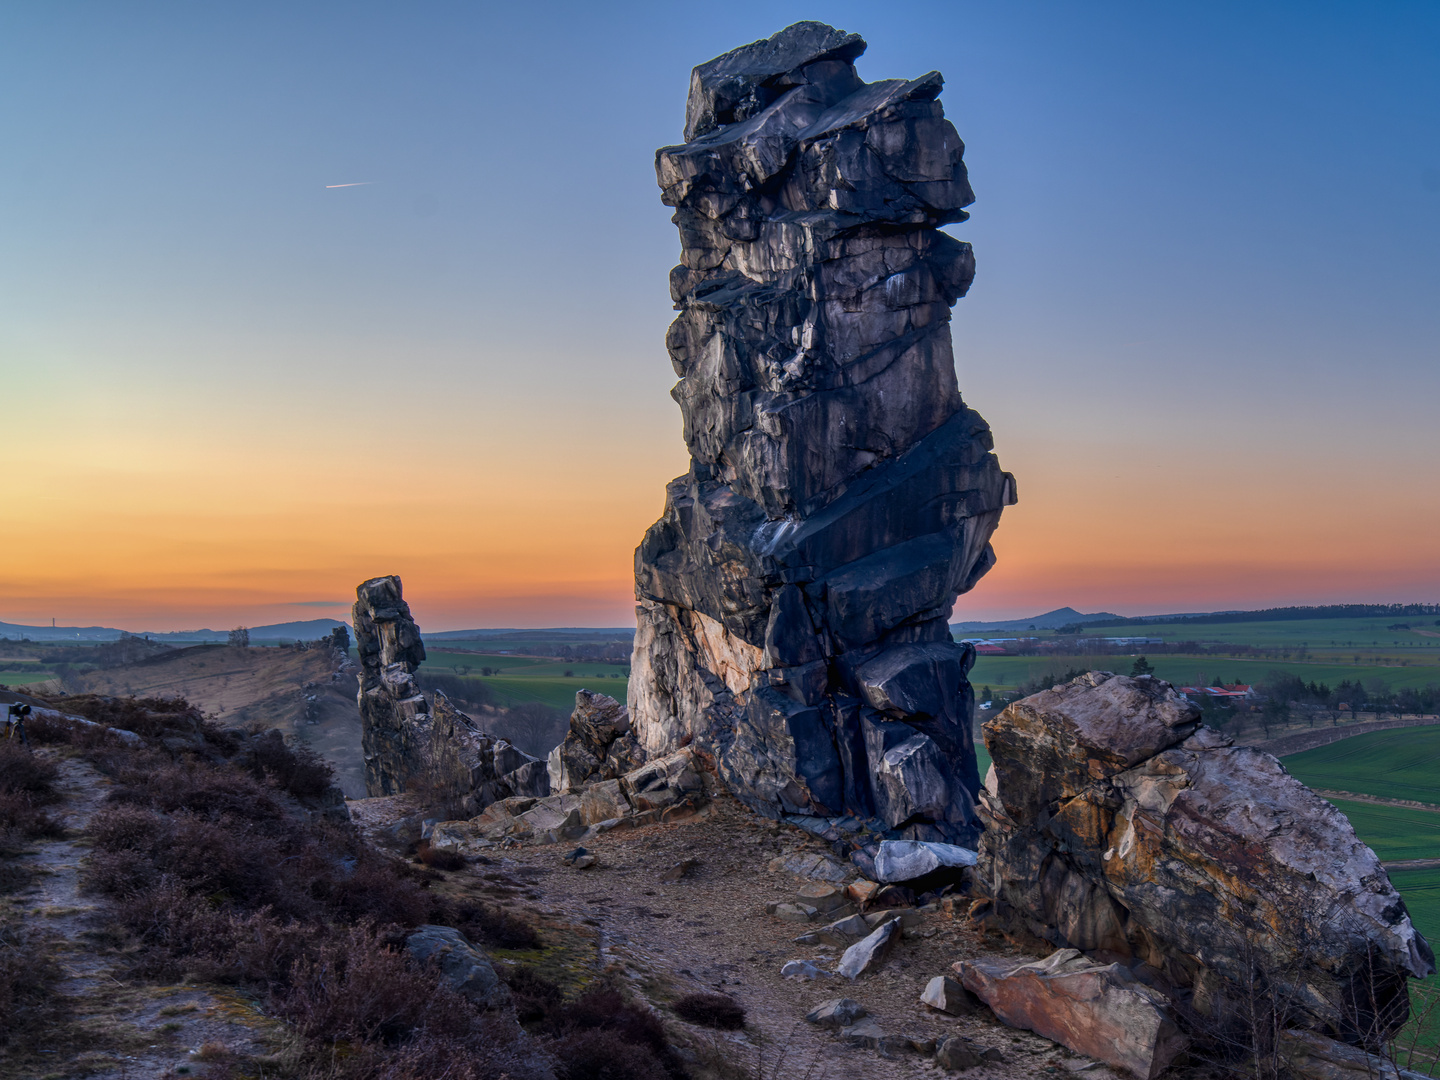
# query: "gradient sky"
1204,326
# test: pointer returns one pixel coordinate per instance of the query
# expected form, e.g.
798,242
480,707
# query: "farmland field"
1369,633
25,677
1399,764
1008,672
1395,832
523,680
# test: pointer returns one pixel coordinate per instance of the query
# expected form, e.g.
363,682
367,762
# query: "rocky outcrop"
1100,1010
794,595
599,745
413,745
1118,824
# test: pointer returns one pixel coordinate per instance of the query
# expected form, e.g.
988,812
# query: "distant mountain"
1051,620
308,630
59,633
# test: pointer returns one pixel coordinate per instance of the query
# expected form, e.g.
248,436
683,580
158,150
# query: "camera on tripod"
19,710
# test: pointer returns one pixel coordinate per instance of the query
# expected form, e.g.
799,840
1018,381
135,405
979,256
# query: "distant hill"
554,633
1282,614
1051,620
308,630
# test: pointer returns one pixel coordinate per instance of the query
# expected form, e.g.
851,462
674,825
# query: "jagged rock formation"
1118,824
598,782
793,597
411,746
599,745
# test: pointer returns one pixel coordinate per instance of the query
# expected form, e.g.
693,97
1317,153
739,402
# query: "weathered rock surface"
794,595
1099,1010
836,1013
944,994
1118,824
869,952
460,963
1314,1057
411,744
906,860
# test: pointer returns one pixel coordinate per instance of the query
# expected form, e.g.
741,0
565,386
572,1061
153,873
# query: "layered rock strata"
794,595
1118,824
410,744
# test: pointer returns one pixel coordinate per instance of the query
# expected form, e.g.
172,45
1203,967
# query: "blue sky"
1202,327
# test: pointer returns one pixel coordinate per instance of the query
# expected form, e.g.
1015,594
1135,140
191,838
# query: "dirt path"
119,1030
1351,796
709,932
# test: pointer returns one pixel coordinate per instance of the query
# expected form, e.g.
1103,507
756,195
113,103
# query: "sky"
1204,325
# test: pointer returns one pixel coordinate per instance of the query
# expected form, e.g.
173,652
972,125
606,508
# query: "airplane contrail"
360,183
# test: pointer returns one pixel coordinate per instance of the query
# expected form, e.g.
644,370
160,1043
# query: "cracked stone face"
794,595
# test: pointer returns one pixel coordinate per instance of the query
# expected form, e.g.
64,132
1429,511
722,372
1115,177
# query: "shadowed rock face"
794,596
1118,824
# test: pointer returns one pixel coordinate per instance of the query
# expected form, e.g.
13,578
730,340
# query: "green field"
1008,672
1367,633
523,680
1399,764
24,676
1395,832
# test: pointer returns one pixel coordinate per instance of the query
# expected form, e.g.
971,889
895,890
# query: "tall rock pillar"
392,708
794,595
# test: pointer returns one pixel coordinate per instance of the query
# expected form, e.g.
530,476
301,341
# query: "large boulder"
1118,824
1099,1010
795,593
460,964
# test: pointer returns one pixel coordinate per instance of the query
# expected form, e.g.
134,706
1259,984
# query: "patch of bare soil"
709,932
112,1029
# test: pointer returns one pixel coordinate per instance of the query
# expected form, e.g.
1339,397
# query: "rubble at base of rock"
1118,824
794,595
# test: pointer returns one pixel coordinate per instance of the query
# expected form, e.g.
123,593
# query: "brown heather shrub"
293,768
439,860
27,785
533,995
602,1054
29,1004
602,1036
711,1010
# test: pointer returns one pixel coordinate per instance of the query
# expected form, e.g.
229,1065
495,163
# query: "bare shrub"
535,728
718,1011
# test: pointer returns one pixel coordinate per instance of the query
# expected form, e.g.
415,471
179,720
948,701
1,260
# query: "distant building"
1232,691
990,650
